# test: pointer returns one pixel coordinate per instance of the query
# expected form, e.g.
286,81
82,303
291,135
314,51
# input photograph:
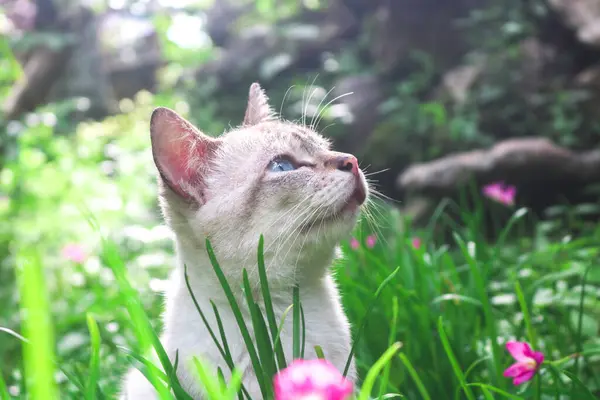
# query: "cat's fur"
221,189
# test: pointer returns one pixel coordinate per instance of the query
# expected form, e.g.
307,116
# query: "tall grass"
429,322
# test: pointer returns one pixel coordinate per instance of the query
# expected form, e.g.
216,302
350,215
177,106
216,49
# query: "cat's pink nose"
344,162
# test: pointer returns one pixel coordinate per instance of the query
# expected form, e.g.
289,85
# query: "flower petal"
519,350
311,380
416,242
371,241
523,377
517,369
538,356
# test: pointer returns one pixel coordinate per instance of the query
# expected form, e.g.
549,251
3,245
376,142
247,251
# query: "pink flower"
528,362
371,241
416,242
311,380
354,244
498,191
74,252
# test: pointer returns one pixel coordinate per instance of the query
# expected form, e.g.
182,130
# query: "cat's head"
268,176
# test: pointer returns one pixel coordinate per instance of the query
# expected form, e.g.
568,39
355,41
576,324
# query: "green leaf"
238,317
94,368
383,284
37,327
224,349
583,390
3,390
487,307
415,376
210,382
391,338
369,382
496,390
455,367
263,343
296,323
526,317
142,327
319,352
264,285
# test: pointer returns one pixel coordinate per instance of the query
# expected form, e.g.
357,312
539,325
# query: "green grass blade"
487,306
222,383
296,323
369,383
228,358
266,353
319,352
583,390
237,313
486,393
210,383
264,285
475,364
3,389
495,390
204,320
94,368
281,323
226,352
514,218
141,324
580,317
224,349
263,343
526,316
457,371
303,342
383,284
235,384
392,336
37,327
143,361
415,376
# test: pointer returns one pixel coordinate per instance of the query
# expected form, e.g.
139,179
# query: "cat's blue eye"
281,165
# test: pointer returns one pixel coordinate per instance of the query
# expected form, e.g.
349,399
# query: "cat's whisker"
329,103
381,196
331,124
321,210
305,101
302,246
286,213
298,230
377,172
312,120
373,222
304,214
308,104
284,97
289,223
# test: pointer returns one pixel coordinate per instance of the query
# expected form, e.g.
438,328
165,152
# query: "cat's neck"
307,271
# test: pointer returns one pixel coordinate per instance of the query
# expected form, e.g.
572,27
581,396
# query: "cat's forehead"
278,135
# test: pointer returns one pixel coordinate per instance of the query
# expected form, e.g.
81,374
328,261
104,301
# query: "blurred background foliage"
396,82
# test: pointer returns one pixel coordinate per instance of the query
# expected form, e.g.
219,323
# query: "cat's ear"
258,109
181,153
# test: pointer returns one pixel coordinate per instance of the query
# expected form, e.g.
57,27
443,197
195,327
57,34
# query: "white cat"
269,177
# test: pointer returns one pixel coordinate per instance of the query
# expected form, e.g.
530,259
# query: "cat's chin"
345,217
